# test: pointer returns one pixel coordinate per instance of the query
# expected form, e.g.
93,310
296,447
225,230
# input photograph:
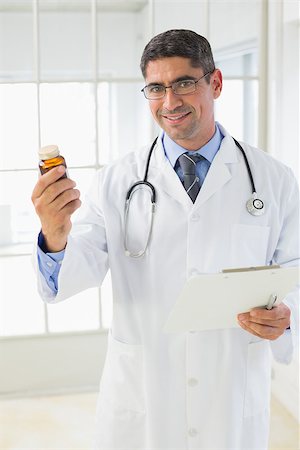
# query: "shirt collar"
208,151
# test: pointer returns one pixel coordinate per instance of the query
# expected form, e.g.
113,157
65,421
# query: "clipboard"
213,301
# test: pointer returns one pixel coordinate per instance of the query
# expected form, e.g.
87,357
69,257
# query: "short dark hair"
184,43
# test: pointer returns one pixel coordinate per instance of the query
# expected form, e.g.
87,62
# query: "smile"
176,119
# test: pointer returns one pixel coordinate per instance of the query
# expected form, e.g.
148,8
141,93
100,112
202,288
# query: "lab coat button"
192,382
195,217
193,432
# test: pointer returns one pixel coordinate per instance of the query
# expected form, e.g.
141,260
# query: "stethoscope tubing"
254,205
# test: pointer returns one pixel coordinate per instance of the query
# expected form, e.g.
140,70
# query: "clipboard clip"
272,301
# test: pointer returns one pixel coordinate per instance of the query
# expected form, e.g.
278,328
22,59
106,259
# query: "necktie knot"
188,163
190,180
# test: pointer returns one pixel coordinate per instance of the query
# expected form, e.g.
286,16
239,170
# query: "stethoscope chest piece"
255,206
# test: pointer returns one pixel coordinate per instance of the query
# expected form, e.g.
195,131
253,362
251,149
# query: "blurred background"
69,75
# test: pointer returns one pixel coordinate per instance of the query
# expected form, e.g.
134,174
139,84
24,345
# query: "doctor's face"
188,119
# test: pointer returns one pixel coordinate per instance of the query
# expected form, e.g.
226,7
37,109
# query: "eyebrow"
182,78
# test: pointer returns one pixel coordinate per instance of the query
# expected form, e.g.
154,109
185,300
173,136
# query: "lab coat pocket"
121,417
258,378
248,245
123,376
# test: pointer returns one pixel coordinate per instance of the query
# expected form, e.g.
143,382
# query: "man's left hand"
264,323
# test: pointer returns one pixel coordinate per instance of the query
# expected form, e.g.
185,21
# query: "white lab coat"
196,390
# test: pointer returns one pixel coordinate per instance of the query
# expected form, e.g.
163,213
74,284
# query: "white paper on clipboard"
213,301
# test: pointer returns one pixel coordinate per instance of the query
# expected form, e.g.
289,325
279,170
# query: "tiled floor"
66,423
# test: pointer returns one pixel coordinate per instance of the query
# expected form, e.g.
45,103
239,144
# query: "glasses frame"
172,86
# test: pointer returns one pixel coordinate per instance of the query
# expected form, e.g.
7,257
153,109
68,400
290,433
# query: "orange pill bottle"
50,158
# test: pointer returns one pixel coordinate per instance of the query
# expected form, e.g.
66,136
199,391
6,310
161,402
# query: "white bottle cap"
48,152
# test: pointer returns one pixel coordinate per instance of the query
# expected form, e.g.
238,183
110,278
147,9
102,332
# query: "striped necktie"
190,179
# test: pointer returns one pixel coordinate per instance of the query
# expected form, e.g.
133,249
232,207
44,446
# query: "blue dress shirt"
49,263
208,151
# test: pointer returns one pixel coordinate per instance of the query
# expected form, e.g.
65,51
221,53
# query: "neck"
198,141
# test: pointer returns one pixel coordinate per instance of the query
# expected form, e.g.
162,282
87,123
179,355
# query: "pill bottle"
50,158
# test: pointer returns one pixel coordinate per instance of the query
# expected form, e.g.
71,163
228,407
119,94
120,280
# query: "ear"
216,81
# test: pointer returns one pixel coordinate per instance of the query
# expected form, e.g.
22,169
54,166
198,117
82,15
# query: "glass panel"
68,120
251,112
237,109
65,43
170,14
117,49
15,191
229,108
78,313
18,126
21,309
242,32
16,42
127,120
106,302
238,66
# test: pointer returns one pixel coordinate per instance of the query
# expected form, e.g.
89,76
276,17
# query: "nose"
171,100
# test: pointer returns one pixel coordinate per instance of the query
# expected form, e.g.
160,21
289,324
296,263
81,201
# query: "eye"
185,83
155,89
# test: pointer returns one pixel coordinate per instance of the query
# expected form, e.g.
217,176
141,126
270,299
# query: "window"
60,83
237,107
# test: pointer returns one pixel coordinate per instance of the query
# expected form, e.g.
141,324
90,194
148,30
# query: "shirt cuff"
49,264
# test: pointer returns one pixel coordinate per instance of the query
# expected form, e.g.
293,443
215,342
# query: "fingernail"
60,169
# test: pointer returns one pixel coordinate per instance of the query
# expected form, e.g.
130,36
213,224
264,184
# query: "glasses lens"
154,91
184,87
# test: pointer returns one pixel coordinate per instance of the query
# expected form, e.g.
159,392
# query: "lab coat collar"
163,176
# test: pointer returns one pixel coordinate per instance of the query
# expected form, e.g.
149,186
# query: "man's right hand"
55,200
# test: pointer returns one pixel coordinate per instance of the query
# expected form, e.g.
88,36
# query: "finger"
71,207
64,198
56,189
263,331
270,335
276,313
47,179
268,322
246,328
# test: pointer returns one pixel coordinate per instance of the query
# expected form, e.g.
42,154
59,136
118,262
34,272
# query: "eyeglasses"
183,87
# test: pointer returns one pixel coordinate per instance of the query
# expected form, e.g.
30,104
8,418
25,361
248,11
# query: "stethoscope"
254,205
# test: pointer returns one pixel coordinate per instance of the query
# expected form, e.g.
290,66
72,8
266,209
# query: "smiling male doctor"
198,390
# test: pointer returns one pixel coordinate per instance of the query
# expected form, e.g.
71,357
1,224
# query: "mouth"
175,118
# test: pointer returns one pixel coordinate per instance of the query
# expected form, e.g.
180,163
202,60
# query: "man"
200,389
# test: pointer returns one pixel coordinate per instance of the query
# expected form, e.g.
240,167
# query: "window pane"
80,312
117,49
65,42
182,14
68,120
16,42
18,126
243,30
237,109
229,108
238,66
15,191
21,309
127,120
